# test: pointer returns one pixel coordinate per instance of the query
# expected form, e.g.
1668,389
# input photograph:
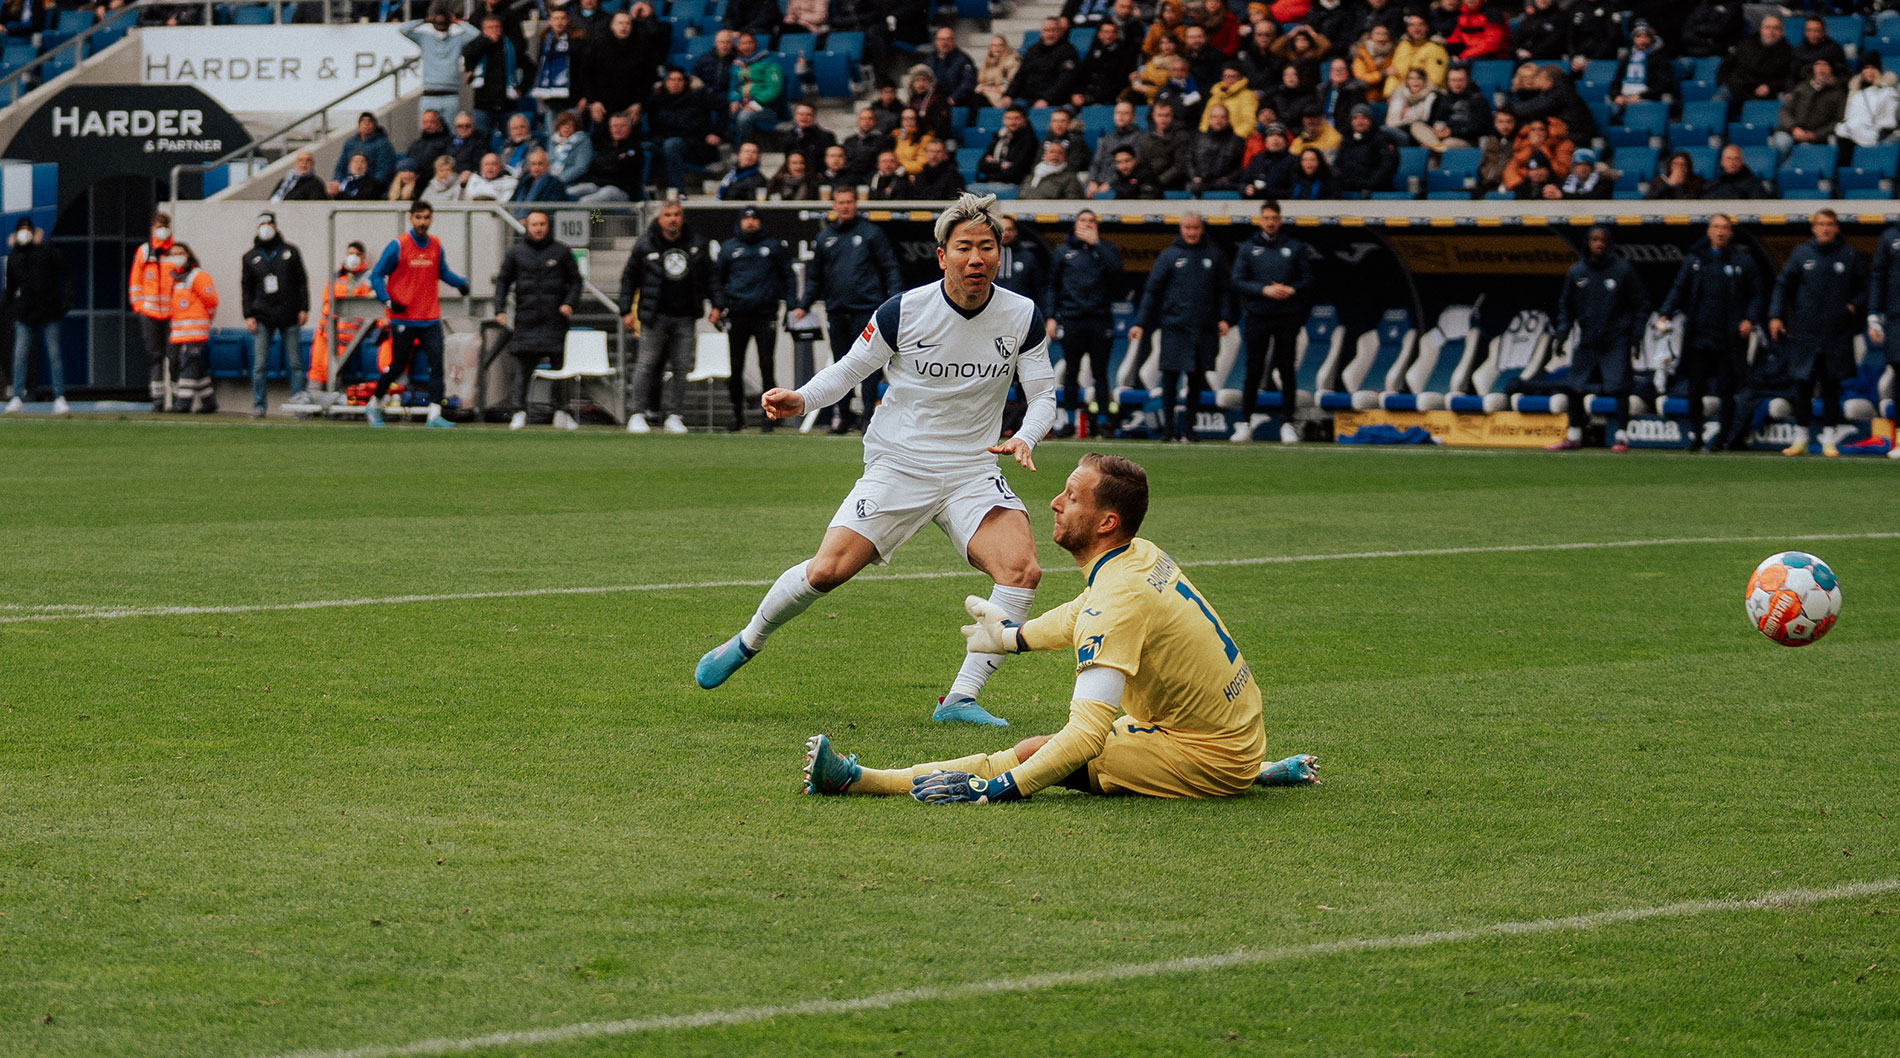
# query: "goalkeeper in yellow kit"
1164,703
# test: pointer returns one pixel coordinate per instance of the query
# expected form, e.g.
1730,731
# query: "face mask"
352,262
176,262
22,237
161,234
266,232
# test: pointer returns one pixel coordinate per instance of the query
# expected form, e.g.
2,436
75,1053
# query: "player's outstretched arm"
1018,449
782,403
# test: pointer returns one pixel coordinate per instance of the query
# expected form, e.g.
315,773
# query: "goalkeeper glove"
993,632
962,788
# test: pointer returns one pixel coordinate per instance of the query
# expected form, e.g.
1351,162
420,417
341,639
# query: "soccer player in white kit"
949,351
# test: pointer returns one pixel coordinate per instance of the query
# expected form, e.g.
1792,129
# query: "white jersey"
948,375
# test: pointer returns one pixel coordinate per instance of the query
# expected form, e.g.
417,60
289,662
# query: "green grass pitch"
234,829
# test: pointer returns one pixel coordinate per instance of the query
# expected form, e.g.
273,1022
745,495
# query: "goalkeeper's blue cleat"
373,415
719,663
1301,769
963,710
826,772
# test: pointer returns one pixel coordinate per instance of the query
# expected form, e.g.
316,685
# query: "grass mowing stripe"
80,611
1040,982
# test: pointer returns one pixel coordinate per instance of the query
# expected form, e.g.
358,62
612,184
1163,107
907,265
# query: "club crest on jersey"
869,329
866,508
1005,347
1090,647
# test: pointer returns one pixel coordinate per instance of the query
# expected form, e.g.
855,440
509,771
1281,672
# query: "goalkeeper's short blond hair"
969,209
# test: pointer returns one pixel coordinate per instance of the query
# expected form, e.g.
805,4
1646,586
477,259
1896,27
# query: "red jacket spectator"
1289,11
1482,36
1223,29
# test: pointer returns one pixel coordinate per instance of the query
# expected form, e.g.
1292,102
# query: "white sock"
787,598
977,668
1575,433
376,402
435,412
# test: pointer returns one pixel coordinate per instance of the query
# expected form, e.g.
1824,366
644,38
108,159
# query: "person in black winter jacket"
755,278
1711,28
1050,69
618,69
1540,37
1012,152
1557,98
1273,280
1367,159
1604,299
1720,293
276,302
1734,179
618,171
1269,173
759,16
37,296
1813,316
1188,301
1592,32
1214,156
1816,46
497,66
1758,68
853,269
1085,274
541,273
680,127
672,273
1024,266
1461,115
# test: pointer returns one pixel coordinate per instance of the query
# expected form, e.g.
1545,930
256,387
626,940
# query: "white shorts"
889,505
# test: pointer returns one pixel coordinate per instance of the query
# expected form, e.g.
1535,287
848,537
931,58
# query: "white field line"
1787,898
17,613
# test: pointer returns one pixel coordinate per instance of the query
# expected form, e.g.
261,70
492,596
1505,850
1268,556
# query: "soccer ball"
1793,598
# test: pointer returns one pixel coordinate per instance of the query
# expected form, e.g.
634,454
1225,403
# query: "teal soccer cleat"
1301,769
964,710
719,663
373,415
439,423
827,772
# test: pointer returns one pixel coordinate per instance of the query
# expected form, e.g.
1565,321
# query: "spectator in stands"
1256,51
1339,92
1883,301
1417,50
1082,13
1222,28
1587,179
862,147
491,182
1442,17
939,179
1050,66
1064,129
1012,150
1000,63
1293,94
1128,18
1541,34
852,270
38,293
546,283
557,77
301,183
909,141
1188,302
754,269
713,70
1133,179
1123,133
497,68
888,108
466,143
441,37
445,185
1536,178
955,73
806,137
794,182
275,303
1677,181
1304,48
1148,78
1408,111
680,130
1385,13
1315,134
1461,115
927,98
805,16
1817,46
1024,266
149,294
432,139
1273,279
1721,296
746,180
1085,274
1214,157
372,143
1202,60
510,17
889,182
1553,96
1593,33
538,182
1646,73
760,17
1811,112
358,184
570,151
1711,28
1480,34
1269,173
1496,149
1170,19
1104,73
1051,177
1758,67
1873,108
1313,178
870,18
835,172
514,146
618,171
1372,61
1603,297
1182,92
591,18
1367,158
758,89
194,306
1813,314
1537,141
672,272
1165,149
1734,178
407,185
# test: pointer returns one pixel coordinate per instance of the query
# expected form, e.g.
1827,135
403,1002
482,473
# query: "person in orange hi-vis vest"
194,303
149,293
351,281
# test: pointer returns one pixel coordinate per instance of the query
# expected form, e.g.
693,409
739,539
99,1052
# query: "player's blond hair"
969,209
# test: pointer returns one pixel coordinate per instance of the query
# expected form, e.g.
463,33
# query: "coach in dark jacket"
1604,299
755,278
1883,294
1720,293
1188,299
852,270
36,298
541,273
276,299
1814,313
1085,273
672,272
1273,281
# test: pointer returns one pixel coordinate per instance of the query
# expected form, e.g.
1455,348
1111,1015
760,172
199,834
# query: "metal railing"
126,17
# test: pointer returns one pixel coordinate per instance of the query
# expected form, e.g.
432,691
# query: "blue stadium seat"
1227,196
1711,113
1683,136
253,15
1492,75
1883,158
794,85
792,45
1761,159
1799,183
1640,161
1412,163
1856,182
1693,91
1845,29
832,70
51,39
697,46
80,21
988,117
1392,345
15,55
1175,195
1375,196
1097,118
1761,112
1705,69
1080,39
1619,137
1748,133
1648,115
1597,75
959,117
849,43
1039,119
967,157
1600,109
1703,160
1030,36
1445,183
1814,157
